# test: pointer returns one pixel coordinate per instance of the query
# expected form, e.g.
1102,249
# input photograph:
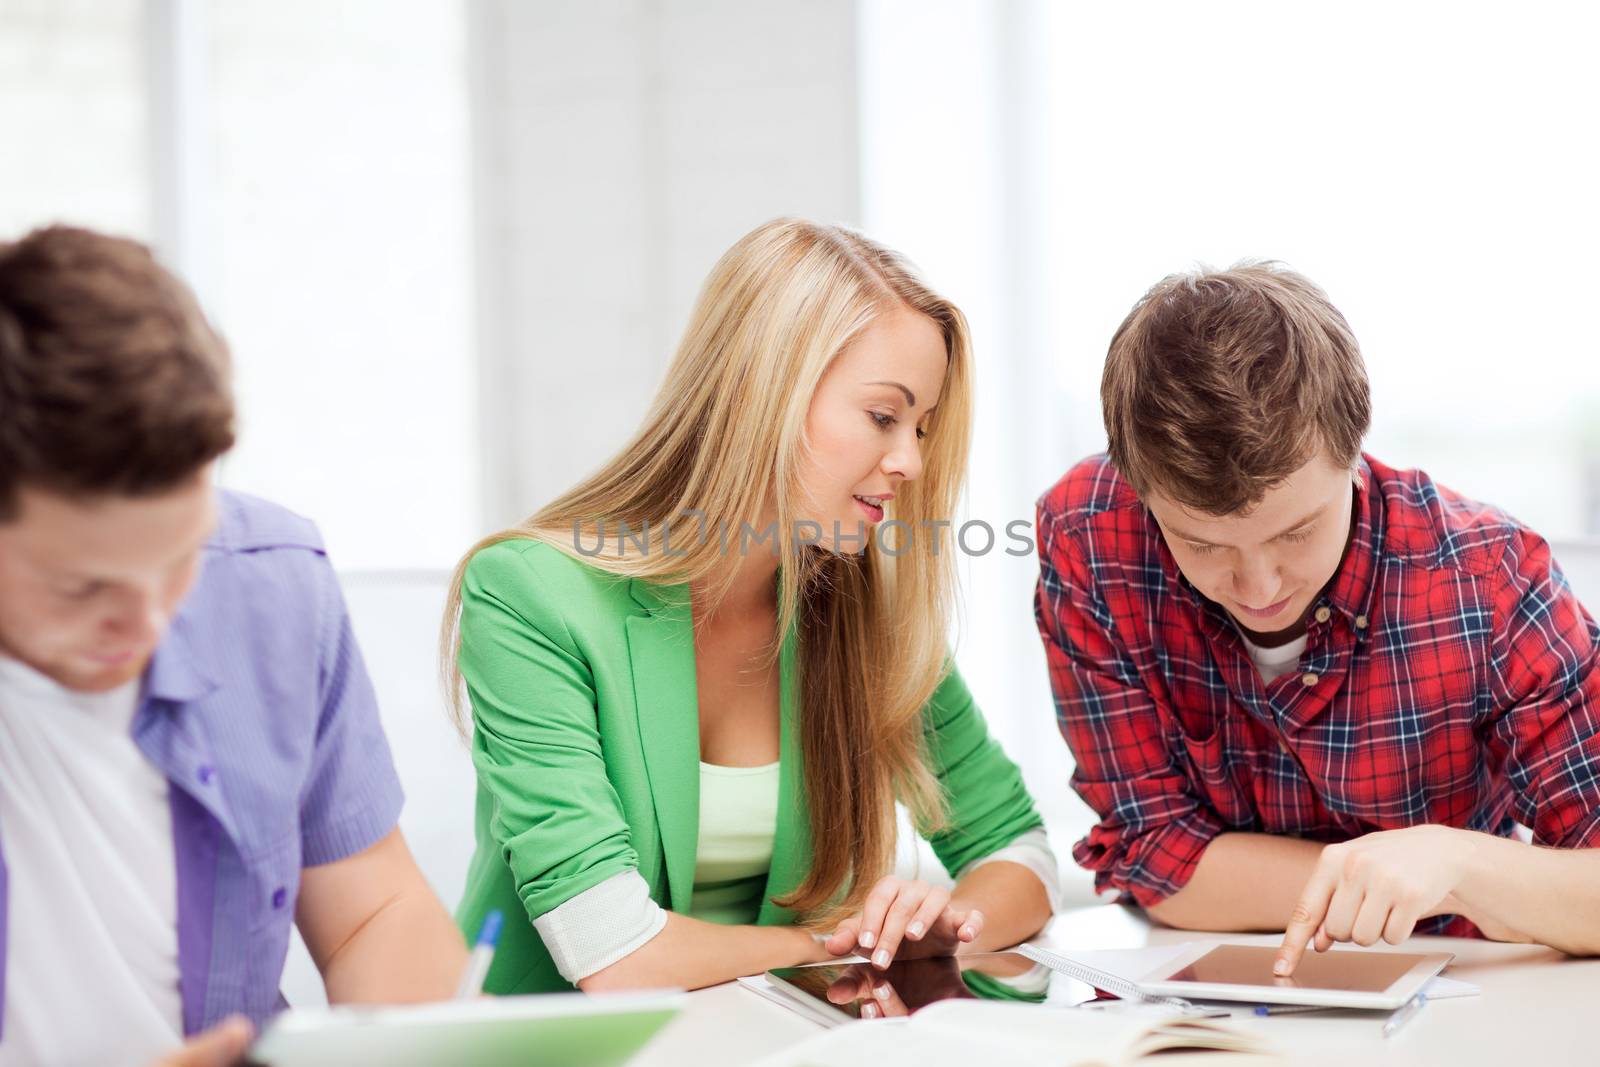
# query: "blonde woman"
699,681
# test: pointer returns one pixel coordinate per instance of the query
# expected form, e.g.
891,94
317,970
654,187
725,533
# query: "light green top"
738,821
586,744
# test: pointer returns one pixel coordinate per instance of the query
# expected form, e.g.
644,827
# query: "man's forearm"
1513,891
1243,882
1517,891
408,951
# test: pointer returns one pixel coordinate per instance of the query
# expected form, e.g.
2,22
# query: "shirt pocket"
1196,739
1213,755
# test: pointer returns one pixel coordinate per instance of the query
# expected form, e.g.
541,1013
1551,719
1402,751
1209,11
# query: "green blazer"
586,743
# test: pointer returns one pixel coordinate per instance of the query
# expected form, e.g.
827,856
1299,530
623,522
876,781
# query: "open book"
964,1033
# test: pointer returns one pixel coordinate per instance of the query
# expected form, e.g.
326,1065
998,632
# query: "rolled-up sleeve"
1152,828
1032,850
1546,727
536,742
352,796
600,925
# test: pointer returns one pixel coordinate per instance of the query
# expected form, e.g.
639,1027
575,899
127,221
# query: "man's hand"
220,1046
1375,888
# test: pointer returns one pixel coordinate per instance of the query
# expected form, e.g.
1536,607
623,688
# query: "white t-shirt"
92,935
1275,662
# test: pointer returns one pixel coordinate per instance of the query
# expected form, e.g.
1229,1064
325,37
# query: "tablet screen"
1251,965
918,983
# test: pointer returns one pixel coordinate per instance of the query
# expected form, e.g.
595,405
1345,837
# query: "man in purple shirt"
190,751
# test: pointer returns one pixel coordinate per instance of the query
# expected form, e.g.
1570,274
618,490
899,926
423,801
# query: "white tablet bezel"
1158,982
798,1000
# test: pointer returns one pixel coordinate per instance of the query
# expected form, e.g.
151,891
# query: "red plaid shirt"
1449,677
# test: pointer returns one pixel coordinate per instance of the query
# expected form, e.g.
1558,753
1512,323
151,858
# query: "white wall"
73,120
622,145
304,165
334,237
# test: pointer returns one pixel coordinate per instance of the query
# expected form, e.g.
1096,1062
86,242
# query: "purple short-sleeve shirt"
259,711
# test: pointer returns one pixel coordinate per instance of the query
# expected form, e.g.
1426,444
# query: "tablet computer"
833,993
546,1030
1338,978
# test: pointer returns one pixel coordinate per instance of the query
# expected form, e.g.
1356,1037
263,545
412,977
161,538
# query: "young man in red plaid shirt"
1305,690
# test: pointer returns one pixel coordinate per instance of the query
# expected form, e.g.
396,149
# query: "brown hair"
111,380
1220,384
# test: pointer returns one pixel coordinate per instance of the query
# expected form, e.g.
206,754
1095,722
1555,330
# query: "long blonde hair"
726,427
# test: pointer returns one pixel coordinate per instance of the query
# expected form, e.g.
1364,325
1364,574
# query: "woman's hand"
906,919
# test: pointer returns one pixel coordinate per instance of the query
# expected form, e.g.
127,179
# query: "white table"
1537,1007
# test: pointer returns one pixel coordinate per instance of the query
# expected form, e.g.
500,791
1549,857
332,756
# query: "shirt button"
205,774
1361,622
280,897
1308,680
1323,614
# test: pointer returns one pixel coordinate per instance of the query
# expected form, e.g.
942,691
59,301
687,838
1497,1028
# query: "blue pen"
1264,1010
482,955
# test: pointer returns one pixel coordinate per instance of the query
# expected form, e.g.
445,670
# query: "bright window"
1430,165
310,176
